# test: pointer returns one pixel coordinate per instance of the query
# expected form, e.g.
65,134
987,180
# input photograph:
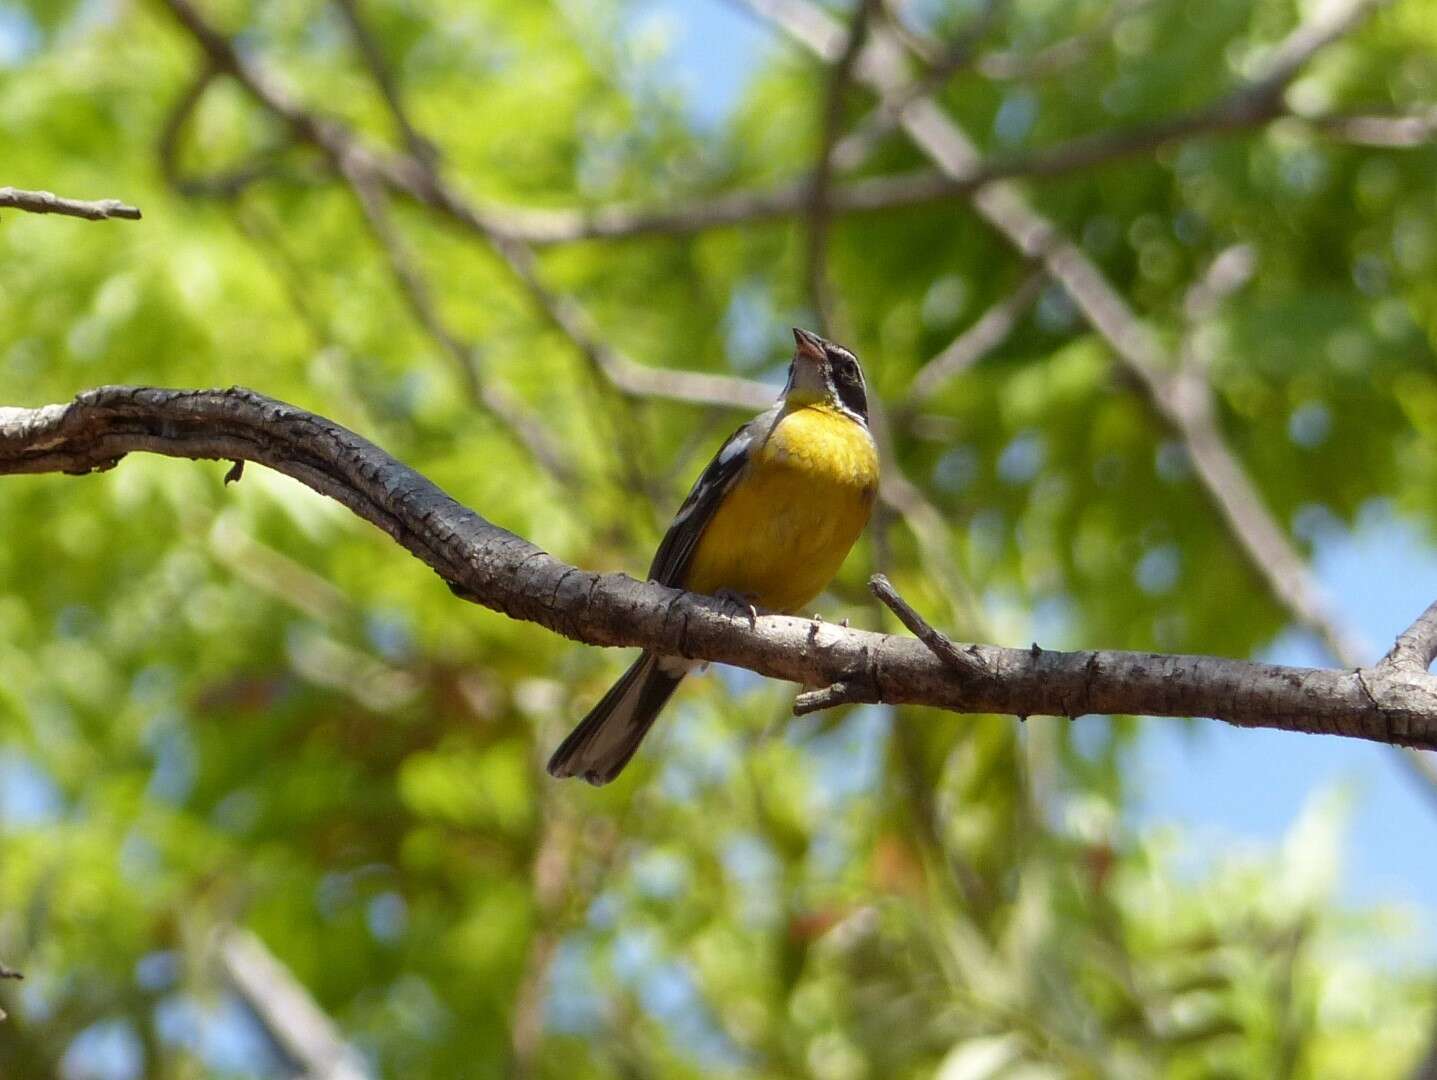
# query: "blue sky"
714,47
1225,783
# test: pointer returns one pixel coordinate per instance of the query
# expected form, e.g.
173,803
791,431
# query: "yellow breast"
783,531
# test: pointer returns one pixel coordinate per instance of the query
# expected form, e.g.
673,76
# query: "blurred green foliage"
240,704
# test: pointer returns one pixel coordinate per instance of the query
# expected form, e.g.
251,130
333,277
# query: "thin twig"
225,184
819,212
1010,64
369,49
617,221
943,64
987,333
1229,271
511,413
937,643
629,376
1396,131
920,43
47,202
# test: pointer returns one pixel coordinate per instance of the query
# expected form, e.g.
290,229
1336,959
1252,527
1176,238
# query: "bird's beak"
810,346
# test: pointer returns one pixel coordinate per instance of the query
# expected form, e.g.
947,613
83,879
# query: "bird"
767,525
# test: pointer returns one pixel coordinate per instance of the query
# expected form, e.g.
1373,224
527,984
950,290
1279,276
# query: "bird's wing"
671,561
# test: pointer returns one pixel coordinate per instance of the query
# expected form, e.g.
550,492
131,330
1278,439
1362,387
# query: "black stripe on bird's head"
824,371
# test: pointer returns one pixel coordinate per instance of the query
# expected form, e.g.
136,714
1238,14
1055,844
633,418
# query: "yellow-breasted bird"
767,524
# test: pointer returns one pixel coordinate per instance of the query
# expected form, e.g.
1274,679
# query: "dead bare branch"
47,202
491,566
1416,647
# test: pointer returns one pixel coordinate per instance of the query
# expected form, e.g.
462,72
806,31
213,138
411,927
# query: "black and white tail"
605,740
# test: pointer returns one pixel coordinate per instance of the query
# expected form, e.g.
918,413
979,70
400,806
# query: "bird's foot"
742,601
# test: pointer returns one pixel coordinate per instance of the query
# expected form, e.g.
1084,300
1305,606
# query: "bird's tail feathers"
604,741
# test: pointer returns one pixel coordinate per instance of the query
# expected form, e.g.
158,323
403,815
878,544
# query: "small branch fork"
1389,703
1416,646
47,202
964,663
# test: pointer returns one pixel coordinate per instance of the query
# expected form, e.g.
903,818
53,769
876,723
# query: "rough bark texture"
1390,703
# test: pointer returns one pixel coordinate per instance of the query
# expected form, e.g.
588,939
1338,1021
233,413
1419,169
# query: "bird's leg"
742,601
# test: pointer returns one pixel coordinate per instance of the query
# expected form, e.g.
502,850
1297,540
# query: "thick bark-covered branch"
47,202
485,563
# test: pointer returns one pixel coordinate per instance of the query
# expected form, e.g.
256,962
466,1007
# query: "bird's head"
824,372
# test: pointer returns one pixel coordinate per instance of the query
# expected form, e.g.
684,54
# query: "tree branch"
1416,646
989,331
369,50
1396,130
820,212
302,1030
1013,64
225,184
488,565
47,202
943,63
619,221
509,411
